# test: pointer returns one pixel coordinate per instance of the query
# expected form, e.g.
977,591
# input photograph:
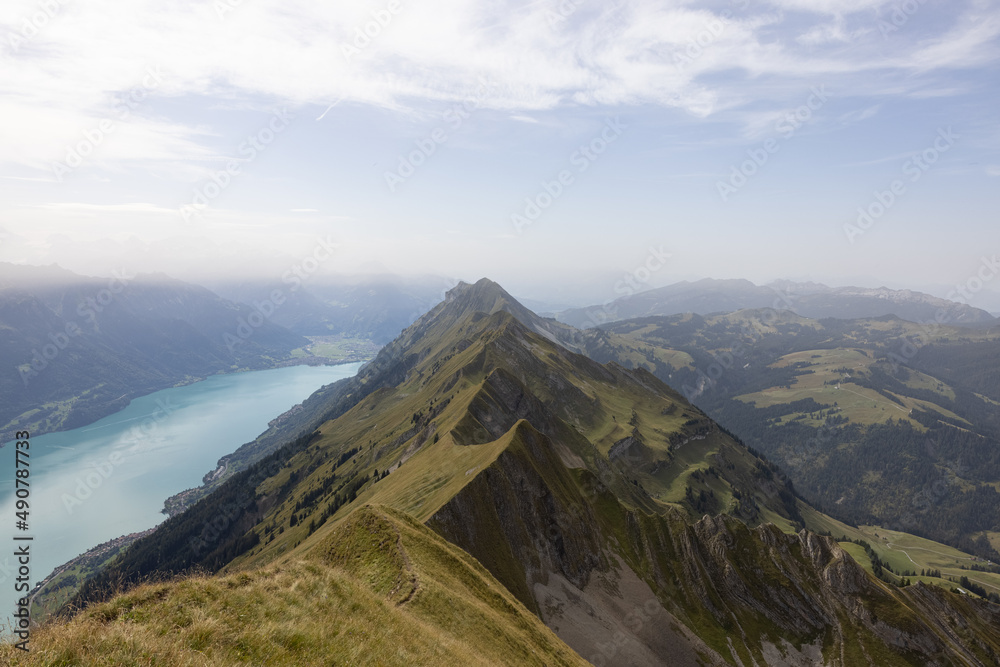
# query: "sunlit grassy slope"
381,590
829,381
826,371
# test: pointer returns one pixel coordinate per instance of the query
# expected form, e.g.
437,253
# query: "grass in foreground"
297,615
339,605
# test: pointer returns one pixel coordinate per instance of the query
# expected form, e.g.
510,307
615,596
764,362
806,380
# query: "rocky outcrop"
549,534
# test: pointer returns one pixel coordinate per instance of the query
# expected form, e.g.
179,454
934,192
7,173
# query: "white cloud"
833,7
536,82
831,33
861,114
295,50
76,207
74,73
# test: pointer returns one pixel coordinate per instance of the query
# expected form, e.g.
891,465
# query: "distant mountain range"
864,415
811,300
74,349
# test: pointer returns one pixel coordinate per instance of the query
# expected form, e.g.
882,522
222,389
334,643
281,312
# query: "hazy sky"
548,145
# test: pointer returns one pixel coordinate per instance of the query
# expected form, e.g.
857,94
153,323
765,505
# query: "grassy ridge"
423,432
338,606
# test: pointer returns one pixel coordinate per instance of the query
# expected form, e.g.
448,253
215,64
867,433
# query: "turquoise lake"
110,478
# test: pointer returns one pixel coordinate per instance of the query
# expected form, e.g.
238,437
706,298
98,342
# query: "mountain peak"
484,296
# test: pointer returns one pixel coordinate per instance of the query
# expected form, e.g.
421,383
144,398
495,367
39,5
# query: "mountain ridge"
814,300
74,349
569,481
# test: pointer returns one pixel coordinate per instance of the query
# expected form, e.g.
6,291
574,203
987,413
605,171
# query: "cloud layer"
67,66
119,116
